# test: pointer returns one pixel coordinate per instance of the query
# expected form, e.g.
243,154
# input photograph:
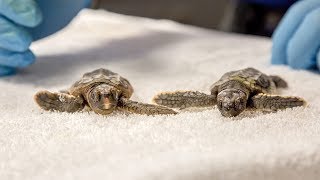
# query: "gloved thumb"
22,12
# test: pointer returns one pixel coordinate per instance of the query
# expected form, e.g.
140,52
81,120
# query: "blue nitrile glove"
15,16
296,41
23,21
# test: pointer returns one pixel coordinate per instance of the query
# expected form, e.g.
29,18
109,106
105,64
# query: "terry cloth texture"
155,55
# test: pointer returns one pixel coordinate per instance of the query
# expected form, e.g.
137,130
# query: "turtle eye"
115,95
99,96
96,96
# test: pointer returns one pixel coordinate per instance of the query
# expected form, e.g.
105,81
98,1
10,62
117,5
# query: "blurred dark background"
240,16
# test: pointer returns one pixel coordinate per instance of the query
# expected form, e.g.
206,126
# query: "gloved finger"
16,59
304,45
13,37
287,27
6,71
23,12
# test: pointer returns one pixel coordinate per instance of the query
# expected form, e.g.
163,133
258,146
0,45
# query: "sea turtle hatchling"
102,91
233,93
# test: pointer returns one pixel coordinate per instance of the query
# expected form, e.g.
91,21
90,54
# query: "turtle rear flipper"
141,108
280,83
275,102
185,99
58,102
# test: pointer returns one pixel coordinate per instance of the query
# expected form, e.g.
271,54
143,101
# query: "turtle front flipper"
280,83
185,99
141,108
275,102
58,101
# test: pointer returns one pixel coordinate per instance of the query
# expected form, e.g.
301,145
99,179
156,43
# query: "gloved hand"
23,21
296,41
15,16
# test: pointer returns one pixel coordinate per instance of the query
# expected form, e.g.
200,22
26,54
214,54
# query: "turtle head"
231,102
103,99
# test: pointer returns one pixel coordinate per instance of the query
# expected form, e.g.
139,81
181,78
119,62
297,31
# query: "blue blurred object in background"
56,15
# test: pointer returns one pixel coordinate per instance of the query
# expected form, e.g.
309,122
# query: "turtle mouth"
107,104
104,106
230,111
105,109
